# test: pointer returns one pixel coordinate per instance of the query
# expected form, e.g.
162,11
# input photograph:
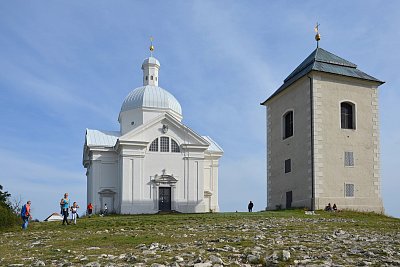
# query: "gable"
176,130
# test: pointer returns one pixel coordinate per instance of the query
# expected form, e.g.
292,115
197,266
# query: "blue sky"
68,65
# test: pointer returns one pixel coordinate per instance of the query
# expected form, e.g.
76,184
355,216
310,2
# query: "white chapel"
154,162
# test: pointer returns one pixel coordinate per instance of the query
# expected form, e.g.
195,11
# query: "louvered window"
154,145
349,190
348,159
164,144
174,146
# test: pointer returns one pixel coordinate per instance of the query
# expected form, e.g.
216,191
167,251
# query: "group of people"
65,209
331,208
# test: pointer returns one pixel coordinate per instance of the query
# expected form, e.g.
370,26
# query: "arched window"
288,124
164,144
347,116
151,77
174,146
154,145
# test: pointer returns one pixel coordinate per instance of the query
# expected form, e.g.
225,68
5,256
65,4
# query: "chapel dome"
150,96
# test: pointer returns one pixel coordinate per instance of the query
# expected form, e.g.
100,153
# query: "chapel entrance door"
164,198
289,199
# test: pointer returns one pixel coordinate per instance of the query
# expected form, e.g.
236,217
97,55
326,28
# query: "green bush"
7,217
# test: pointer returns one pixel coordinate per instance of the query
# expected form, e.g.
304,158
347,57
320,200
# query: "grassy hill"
266,238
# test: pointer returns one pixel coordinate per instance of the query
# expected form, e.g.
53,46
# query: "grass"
224,234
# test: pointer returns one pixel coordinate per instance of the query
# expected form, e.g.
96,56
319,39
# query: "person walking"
250,206
26,214
74,211
65,206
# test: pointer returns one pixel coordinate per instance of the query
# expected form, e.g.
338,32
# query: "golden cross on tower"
151,46
317,36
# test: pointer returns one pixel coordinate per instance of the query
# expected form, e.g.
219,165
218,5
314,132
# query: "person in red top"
26,214
90,209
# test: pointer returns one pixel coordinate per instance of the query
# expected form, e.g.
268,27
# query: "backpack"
23,211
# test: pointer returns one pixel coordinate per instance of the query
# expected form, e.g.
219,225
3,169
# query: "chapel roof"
101,138
152,97
324,61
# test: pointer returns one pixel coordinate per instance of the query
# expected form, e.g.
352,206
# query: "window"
288,124
348,159
288,165
349,190
174,146
151,77
347,116
164,144
147,77
154,145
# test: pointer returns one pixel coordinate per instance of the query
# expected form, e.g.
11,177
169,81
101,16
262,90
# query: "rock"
84,259
90,248
93,264
15,265
285,255
178,259
157,265
253,259
38,263
216,260
203,264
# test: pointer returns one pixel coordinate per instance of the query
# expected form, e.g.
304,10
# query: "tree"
7,215
4,196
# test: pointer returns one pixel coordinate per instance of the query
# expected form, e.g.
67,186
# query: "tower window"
349,190
156,78
154,145
347,116
174,146
147,77
348,159
164,144
288,165
288,124
151,77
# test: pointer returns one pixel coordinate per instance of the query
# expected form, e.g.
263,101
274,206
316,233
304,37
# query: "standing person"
74,210
105,209
90,209
26,214
250,206
65,205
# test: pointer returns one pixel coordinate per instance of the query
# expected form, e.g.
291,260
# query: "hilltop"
278,238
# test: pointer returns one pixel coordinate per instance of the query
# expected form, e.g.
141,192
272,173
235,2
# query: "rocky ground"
288,238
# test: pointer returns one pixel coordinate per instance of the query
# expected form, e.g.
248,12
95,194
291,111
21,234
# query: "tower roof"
324,61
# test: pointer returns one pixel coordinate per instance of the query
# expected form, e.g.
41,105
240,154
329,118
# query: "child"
74,210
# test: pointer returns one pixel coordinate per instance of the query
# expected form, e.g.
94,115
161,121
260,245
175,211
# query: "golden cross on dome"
151,46
317,36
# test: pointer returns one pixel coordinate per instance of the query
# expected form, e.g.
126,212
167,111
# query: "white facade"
323,137
154,163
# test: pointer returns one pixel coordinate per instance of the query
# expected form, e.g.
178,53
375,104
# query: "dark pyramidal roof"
324,61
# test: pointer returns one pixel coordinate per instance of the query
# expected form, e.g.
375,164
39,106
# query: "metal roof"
150,60
153,97
324,61
214,147
101,138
